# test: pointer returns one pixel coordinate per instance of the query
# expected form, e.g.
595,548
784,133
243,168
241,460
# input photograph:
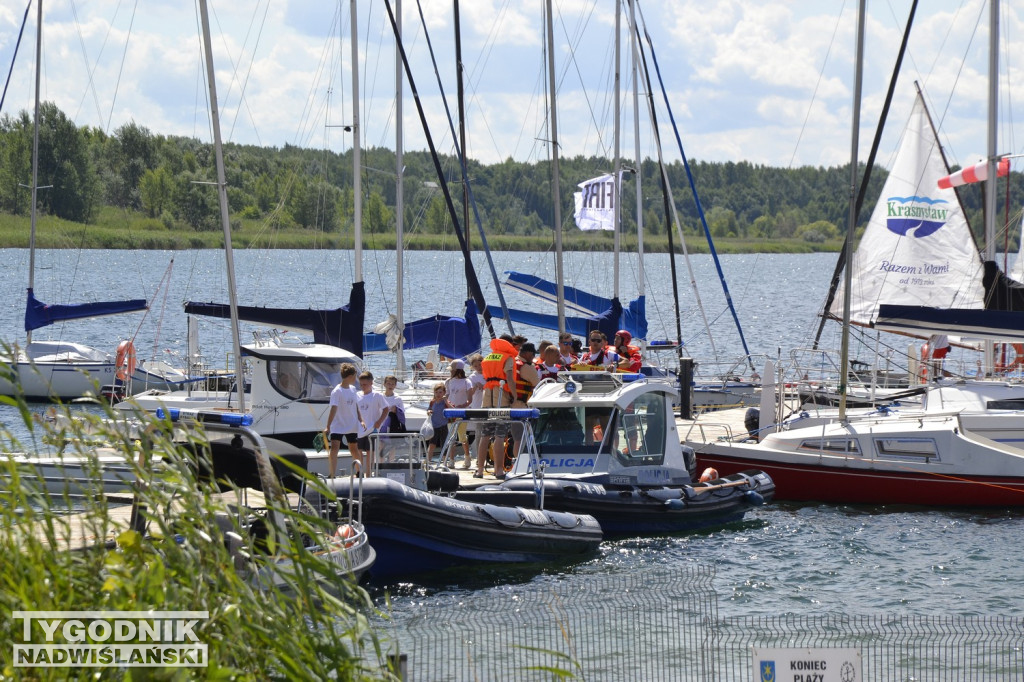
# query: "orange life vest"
493,366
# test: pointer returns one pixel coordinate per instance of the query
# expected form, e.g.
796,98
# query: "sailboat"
63,370
949,452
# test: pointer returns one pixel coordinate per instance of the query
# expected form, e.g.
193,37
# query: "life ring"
1018,358
125,360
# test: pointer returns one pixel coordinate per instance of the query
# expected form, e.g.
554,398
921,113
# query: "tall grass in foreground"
315,628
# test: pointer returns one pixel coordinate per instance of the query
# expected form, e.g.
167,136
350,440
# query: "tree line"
168,178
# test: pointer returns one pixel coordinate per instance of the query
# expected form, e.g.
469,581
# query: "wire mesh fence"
637,626
663,624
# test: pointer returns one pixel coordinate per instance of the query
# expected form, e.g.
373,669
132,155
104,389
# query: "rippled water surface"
783,559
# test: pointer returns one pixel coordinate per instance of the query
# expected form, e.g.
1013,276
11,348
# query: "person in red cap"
630,359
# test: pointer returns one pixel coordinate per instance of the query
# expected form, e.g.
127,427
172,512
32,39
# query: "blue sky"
768,82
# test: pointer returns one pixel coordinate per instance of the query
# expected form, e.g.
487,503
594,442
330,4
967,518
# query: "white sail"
1017,272
917,249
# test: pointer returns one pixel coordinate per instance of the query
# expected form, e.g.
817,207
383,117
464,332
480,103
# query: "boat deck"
83,530
713,426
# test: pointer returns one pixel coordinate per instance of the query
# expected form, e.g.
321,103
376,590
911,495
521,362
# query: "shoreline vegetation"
137,232
133,189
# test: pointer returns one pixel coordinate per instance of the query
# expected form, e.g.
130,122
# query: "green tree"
155,191
377,217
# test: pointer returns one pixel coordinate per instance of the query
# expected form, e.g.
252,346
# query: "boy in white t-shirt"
343,421
373,407
460,395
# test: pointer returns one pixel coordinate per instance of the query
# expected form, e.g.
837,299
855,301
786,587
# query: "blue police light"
627,378
227,418
492,413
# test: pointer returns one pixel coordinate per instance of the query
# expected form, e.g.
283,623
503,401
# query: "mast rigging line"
693,189
474,283
459,153
869,164
14,57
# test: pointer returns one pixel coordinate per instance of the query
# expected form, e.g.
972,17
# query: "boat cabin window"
907,448
1005,404
299,380
571,429
639,435
842,446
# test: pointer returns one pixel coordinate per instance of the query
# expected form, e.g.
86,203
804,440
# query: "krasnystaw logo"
915,216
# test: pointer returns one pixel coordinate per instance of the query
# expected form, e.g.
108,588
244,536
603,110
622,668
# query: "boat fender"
753,498
511,517
564,519
345,534
709,474
665,494
125,360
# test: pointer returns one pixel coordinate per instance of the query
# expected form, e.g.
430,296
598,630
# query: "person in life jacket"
566,355
599,356
499,370
549,367
526,374
630,359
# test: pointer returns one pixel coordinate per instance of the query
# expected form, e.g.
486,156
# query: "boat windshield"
639,434
302,380
562,430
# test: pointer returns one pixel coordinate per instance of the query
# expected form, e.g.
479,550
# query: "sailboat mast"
399,200
555,190
990,185
636,142
618,158
35,159
222,193
357,160
844,352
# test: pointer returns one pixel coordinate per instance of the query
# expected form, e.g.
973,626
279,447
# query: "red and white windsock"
975,173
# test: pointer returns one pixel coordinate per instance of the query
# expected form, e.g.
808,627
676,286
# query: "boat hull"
414,531
805,482
646,510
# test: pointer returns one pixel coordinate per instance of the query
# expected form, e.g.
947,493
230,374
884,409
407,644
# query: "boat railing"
742,369
708,432
513,418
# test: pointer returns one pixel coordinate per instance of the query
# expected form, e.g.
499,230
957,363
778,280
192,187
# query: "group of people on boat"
503,378
506,377
357,412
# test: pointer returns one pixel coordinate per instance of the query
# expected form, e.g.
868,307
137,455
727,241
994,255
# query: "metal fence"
663,624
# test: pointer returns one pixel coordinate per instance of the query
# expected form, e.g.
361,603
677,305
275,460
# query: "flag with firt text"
595,204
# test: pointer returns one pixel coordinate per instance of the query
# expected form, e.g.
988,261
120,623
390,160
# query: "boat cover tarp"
341,327
609,321
39,314
1001,319
455,337
586,305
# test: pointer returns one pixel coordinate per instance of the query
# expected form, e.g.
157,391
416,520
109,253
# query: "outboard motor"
752,421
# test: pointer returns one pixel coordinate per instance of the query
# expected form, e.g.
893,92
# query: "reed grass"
116,229
316,627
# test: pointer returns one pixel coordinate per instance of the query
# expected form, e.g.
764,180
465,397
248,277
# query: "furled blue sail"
39,314
341,327
455,337
609,321
588,306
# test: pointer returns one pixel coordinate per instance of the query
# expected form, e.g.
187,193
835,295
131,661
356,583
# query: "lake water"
784,559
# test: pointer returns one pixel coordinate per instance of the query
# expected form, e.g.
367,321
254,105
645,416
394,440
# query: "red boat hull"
812,483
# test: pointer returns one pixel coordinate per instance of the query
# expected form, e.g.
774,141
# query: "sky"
769,82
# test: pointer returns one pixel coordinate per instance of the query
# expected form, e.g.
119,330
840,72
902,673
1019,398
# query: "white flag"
595,204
